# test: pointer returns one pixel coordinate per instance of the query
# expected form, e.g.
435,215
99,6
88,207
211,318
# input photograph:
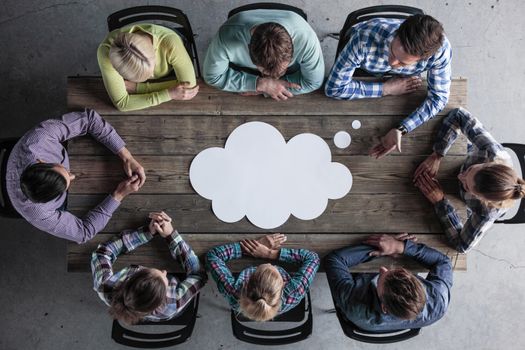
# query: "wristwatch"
403,130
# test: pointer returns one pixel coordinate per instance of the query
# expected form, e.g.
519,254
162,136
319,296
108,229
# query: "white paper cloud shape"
260,176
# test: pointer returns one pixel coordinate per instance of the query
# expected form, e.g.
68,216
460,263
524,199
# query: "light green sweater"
230,44
171,55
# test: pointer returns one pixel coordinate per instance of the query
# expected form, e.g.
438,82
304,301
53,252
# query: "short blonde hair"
261,296
133,56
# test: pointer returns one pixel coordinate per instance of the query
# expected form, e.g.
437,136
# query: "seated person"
274,52
131,55
138,293
260,293
38,176
393,299
405,48
488,184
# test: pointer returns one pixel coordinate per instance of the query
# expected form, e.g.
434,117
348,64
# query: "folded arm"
181,293
104,256
340,83
302,279
216,260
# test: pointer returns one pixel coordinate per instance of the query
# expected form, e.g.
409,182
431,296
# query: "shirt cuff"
115,143
175,237
442,205
410,248
285,254
144,233
110,204
251,82
164,96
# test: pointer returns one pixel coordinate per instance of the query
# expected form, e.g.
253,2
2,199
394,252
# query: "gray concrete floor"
43,307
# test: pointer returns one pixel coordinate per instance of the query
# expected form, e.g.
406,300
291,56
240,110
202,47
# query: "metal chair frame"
268,6
6,207
277,337
354,332
187,318
519,217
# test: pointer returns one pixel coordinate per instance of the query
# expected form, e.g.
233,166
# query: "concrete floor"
43,307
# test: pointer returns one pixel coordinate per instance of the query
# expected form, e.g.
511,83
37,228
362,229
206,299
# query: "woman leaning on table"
138,293
488,184
131,55
260,293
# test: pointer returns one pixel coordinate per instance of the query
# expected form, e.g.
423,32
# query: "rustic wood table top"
164,139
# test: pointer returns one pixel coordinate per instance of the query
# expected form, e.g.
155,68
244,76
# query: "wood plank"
90,92
169,174
355,213
188,135
156,254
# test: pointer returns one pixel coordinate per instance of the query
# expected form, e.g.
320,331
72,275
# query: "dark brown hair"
41,182
271,47
137,296
421,35
499,183
403,294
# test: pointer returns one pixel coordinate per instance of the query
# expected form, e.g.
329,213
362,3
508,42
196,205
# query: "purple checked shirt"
44,143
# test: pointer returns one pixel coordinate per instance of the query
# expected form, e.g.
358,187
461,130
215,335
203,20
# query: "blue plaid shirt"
295,286
368,49
482,148
179,293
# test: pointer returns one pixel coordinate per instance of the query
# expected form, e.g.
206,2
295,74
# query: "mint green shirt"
231,42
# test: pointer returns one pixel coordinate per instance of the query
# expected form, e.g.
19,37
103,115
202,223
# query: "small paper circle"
356,124
342,139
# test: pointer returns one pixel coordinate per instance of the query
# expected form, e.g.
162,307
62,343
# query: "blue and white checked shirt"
482,148
368,49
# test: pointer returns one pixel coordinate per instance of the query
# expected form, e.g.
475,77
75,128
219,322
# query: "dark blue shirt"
355,294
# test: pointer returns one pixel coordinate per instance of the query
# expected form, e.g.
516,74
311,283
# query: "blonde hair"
261,297
133,56
499,184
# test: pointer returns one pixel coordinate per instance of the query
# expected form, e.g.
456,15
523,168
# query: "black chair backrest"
268,6
356,333
367,13
519,217
6,208
301,313
187,318
154,14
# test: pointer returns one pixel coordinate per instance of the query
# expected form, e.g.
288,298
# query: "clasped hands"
160,223
135,173
425,178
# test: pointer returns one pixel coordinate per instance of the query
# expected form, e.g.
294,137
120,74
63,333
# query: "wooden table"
164,139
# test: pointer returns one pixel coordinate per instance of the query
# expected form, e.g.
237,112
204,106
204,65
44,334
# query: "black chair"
356,333
301,313
519,217
365,14
177,21
6,208
187,318
268,6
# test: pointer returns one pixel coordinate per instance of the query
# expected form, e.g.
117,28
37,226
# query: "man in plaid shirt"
178,293
404,48
295,285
